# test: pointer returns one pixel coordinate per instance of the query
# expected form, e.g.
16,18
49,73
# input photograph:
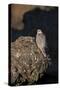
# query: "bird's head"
39,31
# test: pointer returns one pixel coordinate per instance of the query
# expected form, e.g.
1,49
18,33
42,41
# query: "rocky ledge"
27,62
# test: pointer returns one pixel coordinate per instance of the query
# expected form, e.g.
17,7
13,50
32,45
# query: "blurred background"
24,20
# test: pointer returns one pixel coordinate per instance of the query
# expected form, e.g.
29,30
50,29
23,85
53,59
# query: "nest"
27,62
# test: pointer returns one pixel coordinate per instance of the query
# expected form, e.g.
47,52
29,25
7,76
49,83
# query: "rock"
17,13
27,62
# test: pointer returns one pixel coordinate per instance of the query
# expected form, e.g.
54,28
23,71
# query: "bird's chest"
40,40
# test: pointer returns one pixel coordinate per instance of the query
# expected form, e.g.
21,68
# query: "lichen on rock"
27,61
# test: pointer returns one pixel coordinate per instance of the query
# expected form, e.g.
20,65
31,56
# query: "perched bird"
41,42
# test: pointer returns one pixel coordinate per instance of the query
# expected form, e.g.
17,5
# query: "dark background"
48,22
